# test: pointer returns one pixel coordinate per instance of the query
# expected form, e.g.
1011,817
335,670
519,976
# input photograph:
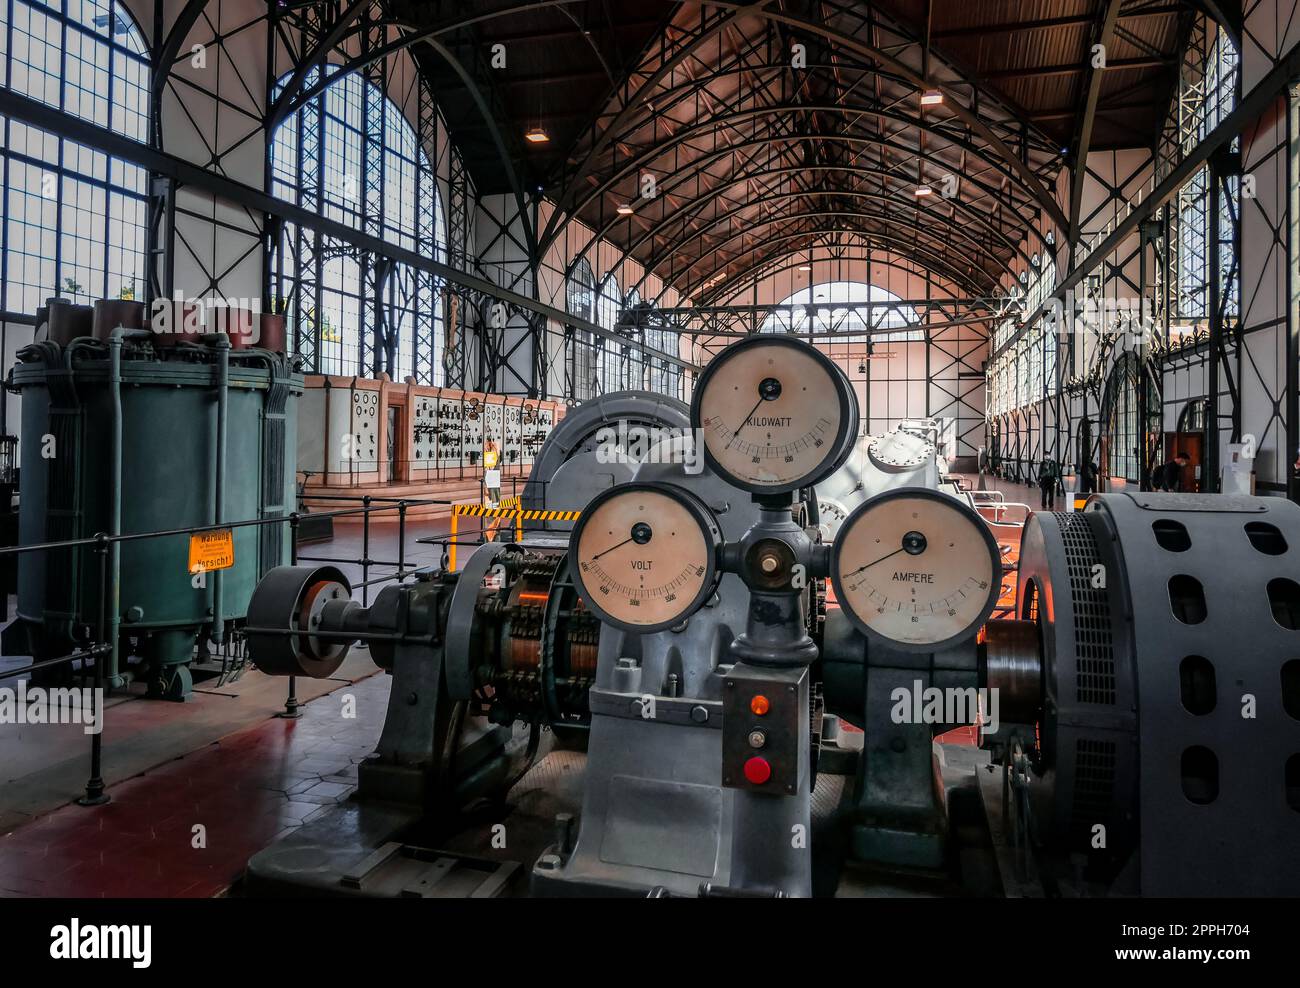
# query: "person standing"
1169,476
1087,477
491,471
1048,480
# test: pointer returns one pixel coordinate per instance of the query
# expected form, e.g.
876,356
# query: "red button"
757,771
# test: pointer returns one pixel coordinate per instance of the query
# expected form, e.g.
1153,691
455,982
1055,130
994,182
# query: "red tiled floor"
245,791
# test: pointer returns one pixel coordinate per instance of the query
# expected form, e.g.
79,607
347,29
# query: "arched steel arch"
1028,178
636,165
936,263
653,264
738,282
788,263
695,207
691,169
951,101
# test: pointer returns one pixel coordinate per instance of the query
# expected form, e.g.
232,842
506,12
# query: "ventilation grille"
1094,650
1094,783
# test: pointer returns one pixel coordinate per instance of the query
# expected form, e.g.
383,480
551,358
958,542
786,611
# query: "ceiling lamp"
624,209
931,97
537,136
805,267
922,190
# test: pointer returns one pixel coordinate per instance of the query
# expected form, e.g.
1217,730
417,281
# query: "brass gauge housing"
645,556
916,569
775,413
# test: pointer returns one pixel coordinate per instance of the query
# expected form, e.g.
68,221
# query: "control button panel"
764,728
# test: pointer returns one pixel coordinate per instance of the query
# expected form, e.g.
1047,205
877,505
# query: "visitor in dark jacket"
1169,476
1049,477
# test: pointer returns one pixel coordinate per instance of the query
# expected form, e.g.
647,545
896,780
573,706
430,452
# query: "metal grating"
1094,650
1094,782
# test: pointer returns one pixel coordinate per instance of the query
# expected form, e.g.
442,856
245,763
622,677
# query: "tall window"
616,372
580,295
847,307
352,156
74,218
1120,417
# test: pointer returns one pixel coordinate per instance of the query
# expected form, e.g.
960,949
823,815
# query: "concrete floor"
47,766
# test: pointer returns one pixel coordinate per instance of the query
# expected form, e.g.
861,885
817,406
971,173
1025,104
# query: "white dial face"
900,450
771,416
916,569
643,558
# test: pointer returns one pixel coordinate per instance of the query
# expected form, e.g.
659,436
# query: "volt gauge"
775,414
645,556
916,569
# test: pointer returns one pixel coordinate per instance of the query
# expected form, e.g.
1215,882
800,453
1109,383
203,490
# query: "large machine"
125,431
694,693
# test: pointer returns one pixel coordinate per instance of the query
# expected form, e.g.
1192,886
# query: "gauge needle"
736,434
869,565
611,548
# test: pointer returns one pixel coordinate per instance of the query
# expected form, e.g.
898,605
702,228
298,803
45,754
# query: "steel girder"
729,121
1083,131
904,202
834,37
1248,109
695,205
870,238
938,264
738,321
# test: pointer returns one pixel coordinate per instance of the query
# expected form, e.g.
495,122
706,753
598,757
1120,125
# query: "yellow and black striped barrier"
508,508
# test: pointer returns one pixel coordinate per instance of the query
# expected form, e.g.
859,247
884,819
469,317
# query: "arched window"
582,290
331,157
848,307
1194,415
74,218
580,300
1126,438
615,358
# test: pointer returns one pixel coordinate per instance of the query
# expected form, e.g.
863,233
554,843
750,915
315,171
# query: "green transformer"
123,436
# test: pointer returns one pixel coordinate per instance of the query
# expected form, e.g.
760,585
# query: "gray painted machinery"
742,738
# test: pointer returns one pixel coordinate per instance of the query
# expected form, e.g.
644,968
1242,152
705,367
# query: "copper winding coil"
527,604
582,660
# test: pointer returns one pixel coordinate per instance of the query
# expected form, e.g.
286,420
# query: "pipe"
222,343
115,520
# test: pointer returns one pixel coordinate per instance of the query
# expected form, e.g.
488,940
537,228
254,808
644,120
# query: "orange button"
760,705
757,771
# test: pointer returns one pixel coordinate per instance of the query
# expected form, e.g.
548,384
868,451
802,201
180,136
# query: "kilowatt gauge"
775,414
916,569
645,555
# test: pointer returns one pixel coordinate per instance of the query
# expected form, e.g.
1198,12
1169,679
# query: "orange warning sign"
212,550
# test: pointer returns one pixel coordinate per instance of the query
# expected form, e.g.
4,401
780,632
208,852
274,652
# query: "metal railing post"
365,552
95,794
401,538
292,709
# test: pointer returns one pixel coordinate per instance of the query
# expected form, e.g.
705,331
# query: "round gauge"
916,569
645,555
900,451
775,414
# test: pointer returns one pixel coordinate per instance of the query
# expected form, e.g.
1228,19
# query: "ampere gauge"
916,569
775,414
645,556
